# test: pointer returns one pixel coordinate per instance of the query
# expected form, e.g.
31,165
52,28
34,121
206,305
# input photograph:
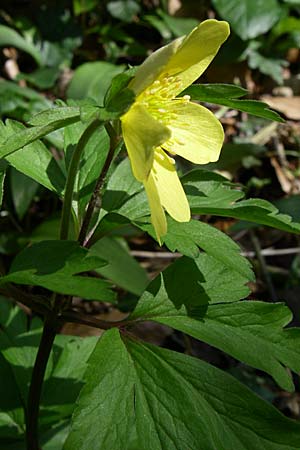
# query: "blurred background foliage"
71,50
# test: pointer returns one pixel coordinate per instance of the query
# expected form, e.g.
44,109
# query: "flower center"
157,97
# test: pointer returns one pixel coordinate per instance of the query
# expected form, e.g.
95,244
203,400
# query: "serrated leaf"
213,94
57,118
252,210
130,199
207,193
206,197
250,331
197,283
168,401
54,265
34,160
187,237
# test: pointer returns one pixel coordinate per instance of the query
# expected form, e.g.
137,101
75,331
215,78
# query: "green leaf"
205,92
122,268
54,265
197,283
63,379
168,401
23,190
121,186
186,237
91,163
272,67
92,80
118,83
120,103
238,329
9,37
64,382
253,210
222,95
45,122
83,6
42,78
247,18
207,192
34,160
179,26
19,102
61,115
124,10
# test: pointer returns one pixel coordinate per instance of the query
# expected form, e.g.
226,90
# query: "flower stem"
74,163
99,184
34,396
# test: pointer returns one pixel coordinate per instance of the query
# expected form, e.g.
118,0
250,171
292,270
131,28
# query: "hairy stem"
73,168
35,390
99,184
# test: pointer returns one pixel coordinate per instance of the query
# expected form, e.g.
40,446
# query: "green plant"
130,394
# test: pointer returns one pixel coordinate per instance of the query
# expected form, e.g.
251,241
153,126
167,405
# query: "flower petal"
169,188
197,135
142,133
195,53
153,66
158,217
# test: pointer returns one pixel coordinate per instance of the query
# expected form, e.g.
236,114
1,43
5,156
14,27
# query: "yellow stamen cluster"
158,95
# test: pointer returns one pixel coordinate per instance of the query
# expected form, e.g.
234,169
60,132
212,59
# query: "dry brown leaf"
289,106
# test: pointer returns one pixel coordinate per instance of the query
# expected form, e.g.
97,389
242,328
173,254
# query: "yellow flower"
159,122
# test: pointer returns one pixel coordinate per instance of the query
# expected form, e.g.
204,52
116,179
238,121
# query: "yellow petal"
153,66
158,217
195,53
196,133
142,133
170,191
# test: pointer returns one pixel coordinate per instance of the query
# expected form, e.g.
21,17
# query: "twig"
263,265
90,321
247,254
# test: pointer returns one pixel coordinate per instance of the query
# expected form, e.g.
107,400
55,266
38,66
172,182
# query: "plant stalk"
71,177
99,185
37,378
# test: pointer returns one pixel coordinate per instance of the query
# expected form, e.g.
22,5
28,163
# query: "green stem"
35,390
73,168
99,184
